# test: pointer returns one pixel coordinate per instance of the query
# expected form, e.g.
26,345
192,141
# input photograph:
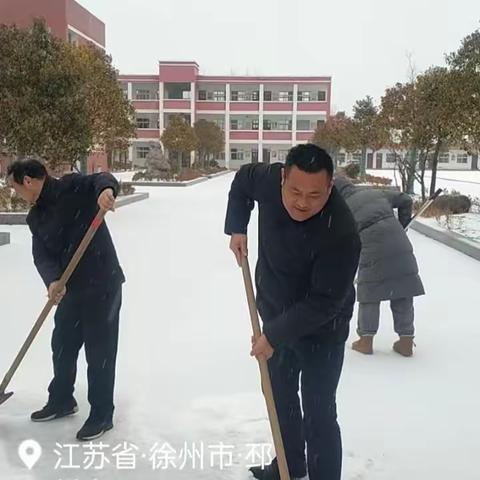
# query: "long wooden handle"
77,256
265,376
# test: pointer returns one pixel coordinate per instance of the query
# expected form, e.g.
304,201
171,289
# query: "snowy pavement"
466,182
184,374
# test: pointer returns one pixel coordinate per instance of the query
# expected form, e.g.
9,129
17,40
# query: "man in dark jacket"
308,255
388,269
88,308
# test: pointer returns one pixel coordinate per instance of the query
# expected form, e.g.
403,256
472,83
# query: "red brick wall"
57,14
83,20
22,13
97,162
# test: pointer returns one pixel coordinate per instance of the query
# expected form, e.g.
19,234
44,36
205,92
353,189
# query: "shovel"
77,256
265,376
424,207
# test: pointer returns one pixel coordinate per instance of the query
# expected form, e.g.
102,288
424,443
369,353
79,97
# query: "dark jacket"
305,270
59,220
388,269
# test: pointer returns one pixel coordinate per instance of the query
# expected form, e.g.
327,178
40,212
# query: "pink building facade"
68,21
262,117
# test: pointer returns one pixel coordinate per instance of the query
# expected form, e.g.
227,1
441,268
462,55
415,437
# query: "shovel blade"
4,397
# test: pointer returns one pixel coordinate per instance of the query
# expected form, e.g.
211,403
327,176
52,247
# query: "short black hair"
309,158
26,167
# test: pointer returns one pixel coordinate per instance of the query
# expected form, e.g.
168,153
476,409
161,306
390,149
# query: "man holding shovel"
88,308
308,256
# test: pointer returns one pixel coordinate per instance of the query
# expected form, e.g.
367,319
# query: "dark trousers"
91,320
320,365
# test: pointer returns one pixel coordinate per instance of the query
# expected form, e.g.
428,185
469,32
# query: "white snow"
125,176
466,182
184,372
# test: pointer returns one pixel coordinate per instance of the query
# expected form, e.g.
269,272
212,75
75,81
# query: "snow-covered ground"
125,176
185,375
466,182
467,225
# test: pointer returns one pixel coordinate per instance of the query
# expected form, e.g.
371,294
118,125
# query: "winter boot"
364,345
404,346
52,412
94,427
271,472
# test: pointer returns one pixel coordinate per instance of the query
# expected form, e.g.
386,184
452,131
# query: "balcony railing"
239,96
217,96
269,96
319,96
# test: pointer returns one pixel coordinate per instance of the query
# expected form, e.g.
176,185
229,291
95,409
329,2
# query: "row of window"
252,155
235,154
459,158
236,95
281,124
446,157
268,96
143,122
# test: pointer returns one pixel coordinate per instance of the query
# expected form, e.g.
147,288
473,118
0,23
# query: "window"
255,124
282,155
303,125
282,124
444,158
462,158
202,95
303,96
218,96
322,96
379,158
143,122
356,157
237,96
267,96
285,96
142,94
142,152
320,122
267,125
236,154
236,124
123,156
341,158
390,158
186,95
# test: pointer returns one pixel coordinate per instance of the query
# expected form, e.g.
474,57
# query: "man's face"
305,194
29,190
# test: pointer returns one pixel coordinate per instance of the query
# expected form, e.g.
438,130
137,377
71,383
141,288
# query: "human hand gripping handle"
239,246
106,200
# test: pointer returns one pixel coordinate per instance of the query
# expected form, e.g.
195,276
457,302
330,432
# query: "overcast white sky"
362,44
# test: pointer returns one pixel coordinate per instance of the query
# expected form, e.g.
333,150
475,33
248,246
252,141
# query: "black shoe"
271,472
94,428
52,412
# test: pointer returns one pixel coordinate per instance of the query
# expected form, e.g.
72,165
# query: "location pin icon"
29,452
